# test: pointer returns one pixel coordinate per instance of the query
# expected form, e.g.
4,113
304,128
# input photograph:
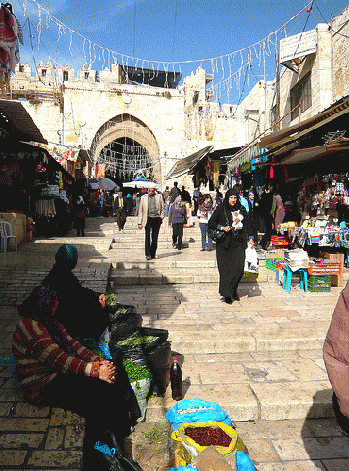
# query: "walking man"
120,210
150,216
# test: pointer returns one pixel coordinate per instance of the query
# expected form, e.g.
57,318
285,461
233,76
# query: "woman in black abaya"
232,218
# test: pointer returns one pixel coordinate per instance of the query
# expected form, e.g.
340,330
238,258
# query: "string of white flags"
228,70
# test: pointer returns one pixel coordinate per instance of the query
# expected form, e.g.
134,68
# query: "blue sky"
154,30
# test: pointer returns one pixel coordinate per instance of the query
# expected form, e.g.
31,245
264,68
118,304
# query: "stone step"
254,401
177,275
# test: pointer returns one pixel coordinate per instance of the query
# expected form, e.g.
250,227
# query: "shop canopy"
64,154
309,154
17,122
187,163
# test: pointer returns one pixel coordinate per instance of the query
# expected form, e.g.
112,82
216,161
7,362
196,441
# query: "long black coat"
224,218
231,251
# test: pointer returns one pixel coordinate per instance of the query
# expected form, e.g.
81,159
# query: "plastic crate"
279,265
325,267
319,282
270,263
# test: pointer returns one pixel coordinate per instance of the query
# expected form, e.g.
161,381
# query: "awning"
301,156
17,122
187,163
63,154
285,136
246,154
155,78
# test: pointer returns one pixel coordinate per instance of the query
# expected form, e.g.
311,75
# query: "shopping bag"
196,410
251,260
187,448
115,458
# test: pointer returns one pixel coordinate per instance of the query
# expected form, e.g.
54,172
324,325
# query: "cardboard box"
337,280
275,253
333,256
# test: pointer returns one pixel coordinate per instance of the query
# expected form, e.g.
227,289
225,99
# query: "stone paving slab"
249,385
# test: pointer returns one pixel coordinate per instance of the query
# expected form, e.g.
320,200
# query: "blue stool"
303,278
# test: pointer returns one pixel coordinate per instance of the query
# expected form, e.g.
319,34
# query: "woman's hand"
106,371
226,228
102,300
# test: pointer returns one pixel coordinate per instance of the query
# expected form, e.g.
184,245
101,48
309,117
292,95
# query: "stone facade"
94,108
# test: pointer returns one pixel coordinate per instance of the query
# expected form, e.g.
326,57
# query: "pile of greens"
137,340
136,372
111,300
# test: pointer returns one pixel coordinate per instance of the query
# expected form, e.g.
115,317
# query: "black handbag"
215,234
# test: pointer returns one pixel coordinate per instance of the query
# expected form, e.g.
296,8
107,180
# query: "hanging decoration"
227,70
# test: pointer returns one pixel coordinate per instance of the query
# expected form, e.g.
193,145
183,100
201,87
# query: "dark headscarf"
237,205
39,307
67,256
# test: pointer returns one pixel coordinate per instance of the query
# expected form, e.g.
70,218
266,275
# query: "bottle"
176,380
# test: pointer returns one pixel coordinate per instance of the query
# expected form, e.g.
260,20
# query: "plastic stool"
303,278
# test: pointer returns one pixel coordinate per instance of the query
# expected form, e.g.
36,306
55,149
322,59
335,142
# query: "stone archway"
127,126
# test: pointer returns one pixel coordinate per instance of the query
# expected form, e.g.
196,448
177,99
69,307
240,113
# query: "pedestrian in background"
232,218
175,191
150,216
79,212
177,218
119,209
204,213
101,202
129,205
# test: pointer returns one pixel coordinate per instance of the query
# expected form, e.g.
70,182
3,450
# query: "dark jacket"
177,215
223,217
116,204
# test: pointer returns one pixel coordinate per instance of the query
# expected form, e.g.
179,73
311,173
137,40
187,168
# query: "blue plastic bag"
184,468
196,410
8,361
243,462
104,348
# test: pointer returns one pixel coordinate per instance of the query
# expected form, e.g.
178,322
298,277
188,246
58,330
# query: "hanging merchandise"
10,33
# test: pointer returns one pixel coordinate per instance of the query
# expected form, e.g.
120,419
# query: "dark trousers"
120,217
342,420
105,407
151,236
177,233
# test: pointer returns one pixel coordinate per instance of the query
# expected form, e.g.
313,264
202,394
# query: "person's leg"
203,235
209,240
118,218
174,233
342,420
123,218
156,223
147,230
180,235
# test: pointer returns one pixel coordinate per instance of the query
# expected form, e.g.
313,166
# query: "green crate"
319,282
270,263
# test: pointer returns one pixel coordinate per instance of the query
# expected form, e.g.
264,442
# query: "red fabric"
7,27
39,358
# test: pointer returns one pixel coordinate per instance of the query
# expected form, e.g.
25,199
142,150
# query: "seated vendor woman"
56,370
81,310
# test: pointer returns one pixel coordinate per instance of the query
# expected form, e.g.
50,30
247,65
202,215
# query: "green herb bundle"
136,372
137,340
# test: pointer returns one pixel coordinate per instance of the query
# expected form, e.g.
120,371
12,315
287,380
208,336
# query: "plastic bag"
196,410
159,362
210,460
251,260
141,389
124,325
189,449
116,459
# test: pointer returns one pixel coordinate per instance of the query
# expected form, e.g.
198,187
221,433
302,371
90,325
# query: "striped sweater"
39,358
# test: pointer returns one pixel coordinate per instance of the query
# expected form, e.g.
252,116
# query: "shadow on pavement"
324,441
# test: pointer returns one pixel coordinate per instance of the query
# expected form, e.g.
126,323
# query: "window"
65,76
21,68
195,97
300,96
43,72
86,75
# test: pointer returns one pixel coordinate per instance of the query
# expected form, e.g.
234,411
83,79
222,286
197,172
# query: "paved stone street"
259,358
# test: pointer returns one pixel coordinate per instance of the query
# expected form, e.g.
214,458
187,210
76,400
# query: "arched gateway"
127,146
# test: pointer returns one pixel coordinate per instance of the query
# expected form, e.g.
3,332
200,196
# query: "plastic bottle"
176,380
